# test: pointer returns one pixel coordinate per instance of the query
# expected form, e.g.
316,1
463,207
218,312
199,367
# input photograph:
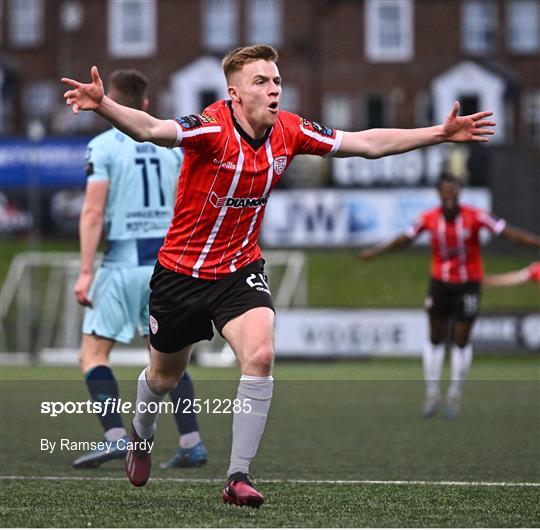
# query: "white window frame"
515,27
531,115
118,47
220,26
375,51
265,22
473,28
26,19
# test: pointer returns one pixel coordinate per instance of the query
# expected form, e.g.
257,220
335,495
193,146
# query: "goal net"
40,316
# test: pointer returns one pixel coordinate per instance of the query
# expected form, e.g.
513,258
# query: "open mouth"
273,106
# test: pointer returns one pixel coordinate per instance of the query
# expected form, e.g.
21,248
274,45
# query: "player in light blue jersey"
129,199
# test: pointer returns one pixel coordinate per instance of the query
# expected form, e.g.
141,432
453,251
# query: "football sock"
189,440
460,364
185,421
102,385
248,425
145,415
432,360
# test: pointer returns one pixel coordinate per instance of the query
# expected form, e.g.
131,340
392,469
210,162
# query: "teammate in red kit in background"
210,267
508,279
454,292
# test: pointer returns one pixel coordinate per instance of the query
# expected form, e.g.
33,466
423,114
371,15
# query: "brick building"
353,64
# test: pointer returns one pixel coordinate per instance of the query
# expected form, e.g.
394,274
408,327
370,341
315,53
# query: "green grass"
354,420
340,279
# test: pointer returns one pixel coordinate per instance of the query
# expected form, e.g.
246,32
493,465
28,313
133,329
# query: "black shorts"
182,308
460,301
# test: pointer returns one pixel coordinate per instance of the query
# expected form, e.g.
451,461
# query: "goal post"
39,312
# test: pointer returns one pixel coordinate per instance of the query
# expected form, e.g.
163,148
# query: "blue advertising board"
51,163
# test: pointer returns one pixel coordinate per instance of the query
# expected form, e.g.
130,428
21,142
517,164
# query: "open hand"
467,128
84,96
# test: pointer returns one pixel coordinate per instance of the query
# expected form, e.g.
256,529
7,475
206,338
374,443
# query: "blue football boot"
195,456
96,457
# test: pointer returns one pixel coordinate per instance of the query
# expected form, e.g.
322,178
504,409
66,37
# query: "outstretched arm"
135,123
521,237
507,279
398,242
375,143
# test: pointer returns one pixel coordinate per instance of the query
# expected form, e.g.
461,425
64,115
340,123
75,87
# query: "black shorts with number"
460,301
182,308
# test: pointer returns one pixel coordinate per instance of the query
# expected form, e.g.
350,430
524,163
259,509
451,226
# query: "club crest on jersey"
236,202
153,325
280,163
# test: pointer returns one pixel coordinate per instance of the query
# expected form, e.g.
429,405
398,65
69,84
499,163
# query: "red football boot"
241,491
138,462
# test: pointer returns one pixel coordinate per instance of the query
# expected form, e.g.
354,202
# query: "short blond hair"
237,58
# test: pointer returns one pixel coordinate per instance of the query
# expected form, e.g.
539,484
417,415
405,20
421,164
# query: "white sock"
460,364
145,420
114,434
248,427
189,440
432,361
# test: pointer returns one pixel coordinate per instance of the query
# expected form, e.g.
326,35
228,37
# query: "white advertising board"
395,333
345,218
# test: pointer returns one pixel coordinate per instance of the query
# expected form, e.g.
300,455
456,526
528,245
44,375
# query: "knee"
260,362
161,382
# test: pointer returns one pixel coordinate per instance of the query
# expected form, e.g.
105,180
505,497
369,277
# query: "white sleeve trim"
178,134
337,144
500,225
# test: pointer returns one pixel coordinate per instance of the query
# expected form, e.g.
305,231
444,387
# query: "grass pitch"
345,446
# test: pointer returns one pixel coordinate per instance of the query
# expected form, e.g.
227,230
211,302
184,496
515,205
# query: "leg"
460,364
432,361
191,452
163,374
251,337
160,377
102,386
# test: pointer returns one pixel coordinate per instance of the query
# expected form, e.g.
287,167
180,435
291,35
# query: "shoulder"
103,139
431,213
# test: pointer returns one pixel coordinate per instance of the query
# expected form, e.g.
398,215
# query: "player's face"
258,89
449,194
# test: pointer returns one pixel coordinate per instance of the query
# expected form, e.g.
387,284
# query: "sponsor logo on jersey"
226,165
153,325
237,202
317,127
280,163
195,120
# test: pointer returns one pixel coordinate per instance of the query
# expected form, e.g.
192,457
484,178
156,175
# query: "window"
531,117
389,30
337,111
479,26
265,22
132,28
26,23
524,26
376,113
220,24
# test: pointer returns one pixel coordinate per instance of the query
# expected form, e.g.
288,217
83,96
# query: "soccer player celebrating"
210,267
454,292
130,189
519,277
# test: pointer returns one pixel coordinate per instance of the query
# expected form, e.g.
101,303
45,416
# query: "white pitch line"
291,481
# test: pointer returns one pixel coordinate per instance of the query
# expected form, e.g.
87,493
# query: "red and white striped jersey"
455,245
225,184
534,271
